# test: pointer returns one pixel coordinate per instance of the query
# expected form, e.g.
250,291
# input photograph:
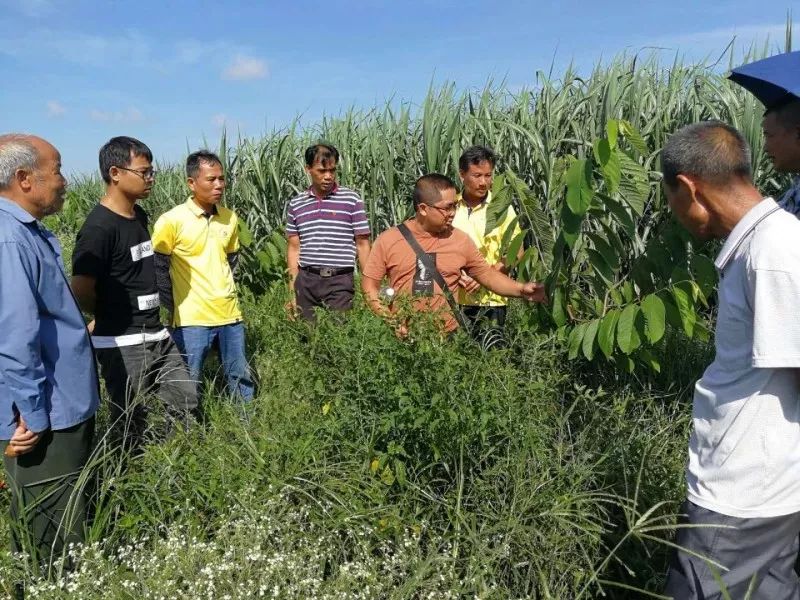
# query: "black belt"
328,271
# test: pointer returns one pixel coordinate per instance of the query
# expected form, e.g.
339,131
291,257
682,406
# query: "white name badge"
148,302
142,250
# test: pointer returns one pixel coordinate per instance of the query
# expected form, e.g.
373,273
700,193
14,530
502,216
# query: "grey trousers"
47,511
132,373
758,555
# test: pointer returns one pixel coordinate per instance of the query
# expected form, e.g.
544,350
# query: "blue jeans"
195,342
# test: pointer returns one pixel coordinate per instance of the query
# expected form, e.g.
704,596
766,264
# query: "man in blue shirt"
48,383
781,126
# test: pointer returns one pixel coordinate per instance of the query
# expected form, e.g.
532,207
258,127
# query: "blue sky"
174,72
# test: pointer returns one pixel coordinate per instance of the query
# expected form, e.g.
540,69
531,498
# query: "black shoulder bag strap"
425,259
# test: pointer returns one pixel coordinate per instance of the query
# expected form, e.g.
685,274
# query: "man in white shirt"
743,472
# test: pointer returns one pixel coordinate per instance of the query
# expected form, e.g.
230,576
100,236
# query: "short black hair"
195,159
118,152
475,155
710,150
786,111
324,153
428,188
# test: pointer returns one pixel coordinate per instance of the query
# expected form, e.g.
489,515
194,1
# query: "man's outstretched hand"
533,292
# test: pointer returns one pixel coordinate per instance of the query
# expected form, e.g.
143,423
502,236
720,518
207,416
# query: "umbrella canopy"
773,80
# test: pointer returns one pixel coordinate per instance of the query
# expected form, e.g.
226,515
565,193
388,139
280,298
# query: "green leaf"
627,291
701,332
612,131
642,275
682,293
501,200
570,226
559,311
659,258
704,273
538,218
605,249
620,214
654,313
600,266
624,363
634,138
574,340
634,187
526,265
628,338
609,163
606,332
508,234
400,471
245,237
646,357
387,477
513,250
673,315
602,150
612,172
587,344
579,187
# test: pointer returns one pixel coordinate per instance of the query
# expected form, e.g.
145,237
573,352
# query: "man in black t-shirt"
113,278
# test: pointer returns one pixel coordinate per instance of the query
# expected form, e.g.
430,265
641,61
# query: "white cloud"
245,68
219,120
55,109
131,115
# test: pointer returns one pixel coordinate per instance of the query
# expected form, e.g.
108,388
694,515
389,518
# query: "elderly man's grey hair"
16,152
710,150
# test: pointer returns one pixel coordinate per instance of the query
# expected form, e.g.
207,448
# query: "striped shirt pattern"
327,227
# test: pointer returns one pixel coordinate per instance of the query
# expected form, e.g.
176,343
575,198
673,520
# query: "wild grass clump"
378,468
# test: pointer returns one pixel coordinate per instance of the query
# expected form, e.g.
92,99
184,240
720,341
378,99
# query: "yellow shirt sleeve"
163,235
233,242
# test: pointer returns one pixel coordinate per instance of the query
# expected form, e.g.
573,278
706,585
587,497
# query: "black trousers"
487,324
133,372
48,509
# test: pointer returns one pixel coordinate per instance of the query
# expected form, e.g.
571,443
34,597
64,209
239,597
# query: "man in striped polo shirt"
326,228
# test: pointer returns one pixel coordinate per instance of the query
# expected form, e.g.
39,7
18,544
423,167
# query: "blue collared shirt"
47,370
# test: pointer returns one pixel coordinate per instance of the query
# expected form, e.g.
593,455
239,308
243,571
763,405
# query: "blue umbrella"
773,80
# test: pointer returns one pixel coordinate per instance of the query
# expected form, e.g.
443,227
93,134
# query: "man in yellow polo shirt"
196,247
485,310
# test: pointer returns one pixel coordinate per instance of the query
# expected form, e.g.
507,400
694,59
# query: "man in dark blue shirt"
48,383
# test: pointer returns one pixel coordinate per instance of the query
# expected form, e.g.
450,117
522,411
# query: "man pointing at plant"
743,472
485,310
425,256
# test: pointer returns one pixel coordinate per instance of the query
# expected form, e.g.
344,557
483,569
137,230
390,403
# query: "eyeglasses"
444,209
145,175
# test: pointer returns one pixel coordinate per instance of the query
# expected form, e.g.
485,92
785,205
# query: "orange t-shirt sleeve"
475,264
376,263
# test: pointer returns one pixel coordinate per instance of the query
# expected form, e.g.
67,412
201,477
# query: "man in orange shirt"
449,249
